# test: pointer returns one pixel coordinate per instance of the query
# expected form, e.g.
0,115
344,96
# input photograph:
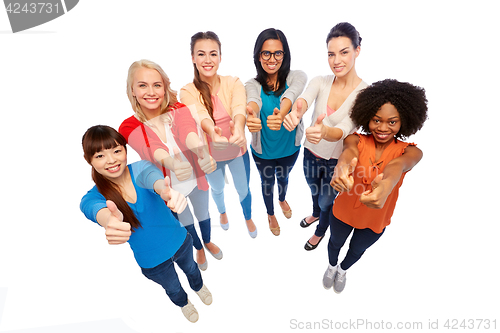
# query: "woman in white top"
334,96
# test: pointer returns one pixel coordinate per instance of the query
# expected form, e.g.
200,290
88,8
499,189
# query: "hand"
377,196
237,137
253,123
220,142
274,121
316,133
117,231
182,169
292,119
206,162
342,180
175,201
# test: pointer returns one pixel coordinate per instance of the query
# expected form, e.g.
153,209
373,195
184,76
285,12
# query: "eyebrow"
345,48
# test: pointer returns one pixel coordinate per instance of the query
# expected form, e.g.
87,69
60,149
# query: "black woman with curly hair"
371,169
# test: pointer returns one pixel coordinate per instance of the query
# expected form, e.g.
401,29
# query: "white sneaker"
205,295
190,312
339,282
329,276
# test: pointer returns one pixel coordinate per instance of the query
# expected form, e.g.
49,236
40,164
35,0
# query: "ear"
358,49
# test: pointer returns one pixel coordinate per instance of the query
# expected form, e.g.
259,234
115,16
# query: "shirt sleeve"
239,98
191,97
296,81
252,88
91,203
312,91
146,174
141,138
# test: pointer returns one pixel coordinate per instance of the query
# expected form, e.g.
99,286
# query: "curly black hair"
409,100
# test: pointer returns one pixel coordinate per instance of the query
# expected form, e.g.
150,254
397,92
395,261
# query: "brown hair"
98,138
203,87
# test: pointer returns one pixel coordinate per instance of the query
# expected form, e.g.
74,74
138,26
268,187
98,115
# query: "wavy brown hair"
203,87
96,139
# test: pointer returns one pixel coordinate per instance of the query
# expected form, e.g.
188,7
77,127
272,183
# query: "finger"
201,153
218,130
167,183
114,210
352,165
250,111
177,154
299,105
231,126
276,112
319,121
377,180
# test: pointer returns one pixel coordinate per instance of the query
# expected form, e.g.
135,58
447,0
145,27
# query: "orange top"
347,206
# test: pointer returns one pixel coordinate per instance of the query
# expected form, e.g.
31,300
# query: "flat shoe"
217,255
204,266
304,224
252,234
275,231
287,213
309,246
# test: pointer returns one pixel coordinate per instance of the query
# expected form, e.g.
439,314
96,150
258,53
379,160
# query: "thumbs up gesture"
182,169
175,201
377,196
117,231
292,119
253,123
274,121
206,162
220,142
237,136
342,180
316,133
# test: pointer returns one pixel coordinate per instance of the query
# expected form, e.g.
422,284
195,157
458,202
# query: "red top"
145,141
347,206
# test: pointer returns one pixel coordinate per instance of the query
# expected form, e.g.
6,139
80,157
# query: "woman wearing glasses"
333,96
270,96
218,104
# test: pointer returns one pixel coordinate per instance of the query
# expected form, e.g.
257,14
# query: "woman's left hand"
274,121
316,133
175,201
237,135
205,160
377,196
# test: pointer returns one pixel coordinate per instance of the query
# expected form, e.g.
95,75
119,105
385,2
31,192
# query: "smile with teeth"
113,168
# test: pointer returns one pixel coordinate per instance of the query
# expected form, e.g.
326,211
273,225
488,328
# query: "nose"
383,126
110,158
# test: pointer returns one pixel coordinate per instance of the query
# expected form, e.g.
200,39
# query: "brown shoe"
287,213
275,231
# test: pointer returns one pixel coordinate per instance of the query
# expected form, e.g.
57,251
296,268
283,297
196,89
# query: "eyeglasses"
278,55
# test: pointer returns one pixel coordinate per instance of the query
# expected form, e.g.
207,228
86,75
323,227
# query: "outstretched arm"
342,180
117,231
384,183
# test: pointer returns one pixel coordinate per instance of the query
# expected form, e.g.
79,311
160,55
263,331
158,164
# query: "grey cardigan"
296,81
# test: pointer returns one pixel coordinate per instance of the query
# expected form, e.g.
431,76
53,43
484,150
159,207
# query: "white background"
437,260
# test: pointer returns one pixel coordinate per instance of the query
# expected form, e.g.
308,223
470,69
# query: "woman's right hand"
205,160
292,119
182,169
219,142
342,180
117,231
253,123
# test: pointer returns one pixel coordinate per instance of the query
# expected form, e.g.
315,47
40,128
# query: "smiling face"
385,124
149,90
271,66
341,55
110,163
206,57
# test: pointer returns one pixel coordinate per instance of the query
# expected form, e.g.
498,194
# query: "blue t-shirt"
275,144
160,234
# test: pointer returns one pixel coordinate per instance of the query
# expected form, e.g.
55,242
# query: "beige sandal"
287,213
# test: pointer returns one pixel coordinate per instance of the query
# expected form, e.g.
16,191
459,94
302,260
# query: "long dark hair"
98,138
261,77
345,29
202,86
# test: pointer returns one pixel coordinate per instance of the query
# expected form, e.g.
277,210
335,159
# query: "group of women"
192,140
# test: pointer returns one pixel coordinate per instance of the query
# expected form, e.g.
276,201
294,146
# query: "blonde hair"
170,95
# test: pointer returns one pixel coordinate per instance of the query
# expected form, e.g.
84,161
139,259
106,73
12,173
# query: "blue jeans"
199,201
270,170
240,170
361,240
165,275
319,173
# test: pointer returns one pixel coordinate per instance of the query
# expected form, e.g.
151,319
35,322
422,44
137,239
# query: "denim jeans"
361,240
165,275
319,173
199,202
240,170
269,170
